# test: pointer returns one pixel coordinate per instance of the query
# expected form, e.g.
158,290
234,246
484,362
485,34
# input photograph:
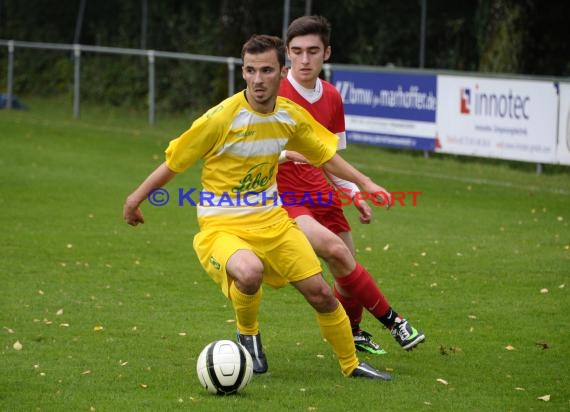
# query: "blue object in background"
16,104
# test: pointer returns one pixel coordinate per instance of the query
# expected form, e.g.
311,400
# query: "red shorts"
330,216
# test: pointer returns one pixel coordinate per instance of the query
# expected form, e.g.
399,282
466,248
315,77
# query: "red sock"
352,308
362,288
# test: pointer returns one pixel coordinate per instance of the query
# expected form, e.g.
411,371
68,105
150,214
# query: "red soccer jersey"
328,110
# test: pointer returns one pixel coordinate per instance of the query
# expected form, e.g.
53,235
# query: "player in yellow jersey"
244,244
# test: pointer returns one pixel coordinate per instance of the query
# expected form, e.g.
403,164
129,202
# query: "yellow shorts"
286,253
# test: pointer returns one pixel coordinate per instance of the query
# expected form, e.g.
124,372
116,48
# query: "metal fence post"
423,13
151,87
10,85
327,70
76,79
231,76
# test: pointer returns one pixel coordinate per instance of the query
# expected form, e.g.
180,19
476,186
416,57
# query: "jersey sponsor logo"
245,134
256,178
215,263
215,110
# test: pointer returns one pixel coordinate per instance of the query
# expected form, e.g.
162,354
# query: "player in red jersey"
308,47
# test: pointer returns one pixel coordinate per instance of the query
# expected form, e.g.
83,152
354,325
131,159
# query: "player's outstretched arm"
131,210
341,168
352,189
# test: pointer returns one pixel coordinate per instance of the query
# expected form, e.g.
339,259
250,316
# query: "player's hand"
365,212
132,214
296,157
377,194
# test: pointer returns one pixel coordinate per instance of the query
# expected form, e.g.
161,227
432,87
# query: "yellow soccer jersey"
240,149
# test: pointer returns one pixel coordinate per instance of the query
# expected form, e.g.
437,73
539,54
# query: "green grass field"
98,316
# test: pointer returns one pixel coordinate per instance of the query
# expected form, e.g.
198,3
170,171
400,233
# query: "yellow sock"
335,328
246,308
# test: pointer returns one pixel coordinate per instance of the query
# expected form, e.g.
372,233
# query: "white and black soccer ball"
224,367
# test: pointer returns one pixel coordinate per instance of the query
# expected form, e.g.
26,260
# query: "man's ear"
328,52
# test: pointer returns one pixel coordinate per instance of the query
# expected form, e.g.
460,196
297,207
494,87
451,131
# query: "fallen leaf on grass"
143,385
543,291
445,351
509,347
544,398
442,381
8,330
87,372
387,247
519,389
17,345
98,328
59,312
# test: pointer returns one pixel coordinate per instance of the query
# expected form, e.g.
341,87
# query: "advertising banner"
563,146
497,118
388,109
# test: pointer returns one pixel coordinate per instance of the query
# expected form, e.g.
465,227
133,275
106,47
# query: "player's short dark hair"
260,43
305,25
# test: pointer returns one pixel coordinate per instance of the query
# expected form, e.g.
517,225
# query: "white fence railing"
78,49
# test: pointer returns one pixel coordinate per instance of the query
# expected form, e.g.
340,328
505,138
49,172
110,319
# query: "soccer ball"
224,367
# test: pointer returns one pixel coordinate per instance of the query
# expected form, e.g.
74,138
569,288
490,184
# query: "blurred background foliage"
499,36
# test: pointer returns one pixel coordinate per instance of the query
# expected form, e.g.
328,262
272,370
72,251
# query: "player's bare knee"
322,299
247,273
338,255
248,282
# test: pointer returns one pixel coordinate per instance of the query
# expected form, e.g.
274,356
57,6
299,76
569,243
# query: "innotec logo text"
489,104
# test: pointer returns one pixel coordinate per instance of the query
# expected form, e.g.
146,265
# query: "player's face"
263,75
307,55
